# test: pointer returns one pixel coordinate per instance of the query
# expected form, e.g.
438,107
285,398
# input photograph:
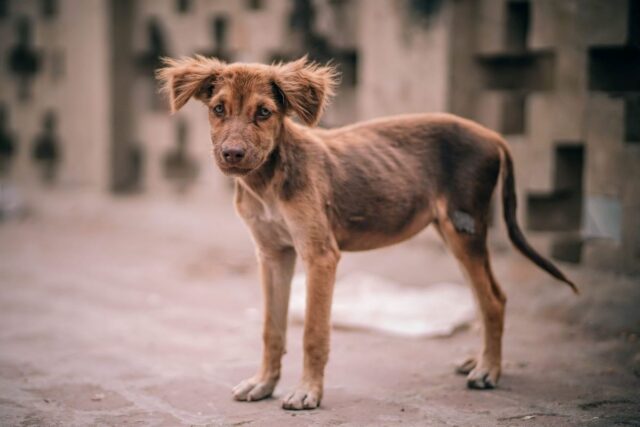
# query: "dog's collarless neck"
259,180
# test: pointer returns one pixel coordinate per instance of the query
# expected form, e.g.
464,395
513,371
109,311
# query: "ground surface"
146,312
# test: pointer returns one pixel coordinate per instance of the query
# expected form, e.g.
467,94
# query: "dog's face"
247,103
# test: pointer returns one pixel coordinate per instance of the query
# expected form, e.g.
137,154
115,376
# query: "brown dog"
315,192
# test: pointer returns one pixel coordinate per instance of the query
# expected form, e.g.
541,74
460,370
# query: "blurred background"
121,257
79,106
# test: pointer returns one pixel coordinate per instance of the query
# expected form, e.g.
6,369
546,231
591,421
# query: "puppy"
313,193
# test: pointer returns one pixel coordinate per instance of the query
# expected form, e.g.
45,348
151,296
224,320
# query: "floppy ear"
306,87
186,77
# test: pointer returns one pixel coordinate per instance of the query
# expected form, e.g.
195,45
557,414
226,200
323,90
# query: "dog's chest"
274,228
266,222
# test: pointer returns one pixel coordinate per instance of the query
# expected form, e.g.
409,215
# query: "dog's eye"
263,113
218,110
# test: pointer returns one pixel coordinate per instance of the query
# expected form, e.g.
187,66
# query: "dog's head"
247,103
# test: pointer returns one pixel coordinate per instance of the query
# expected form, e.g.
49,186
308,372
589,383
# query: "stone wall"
562,80
55,92
113,130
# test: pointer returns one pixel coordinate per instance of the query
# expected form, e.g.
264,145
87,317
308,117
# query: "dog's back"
402,166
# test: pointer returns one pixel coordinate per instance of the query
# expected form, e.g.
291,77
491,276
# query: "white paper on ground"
365,301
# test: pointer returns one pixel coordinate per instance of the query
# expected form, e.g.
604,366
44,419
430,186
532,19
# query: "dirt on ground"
146,311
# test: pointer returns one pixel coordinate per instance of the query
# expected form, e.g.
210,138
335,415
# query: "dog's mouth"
235,170
239,169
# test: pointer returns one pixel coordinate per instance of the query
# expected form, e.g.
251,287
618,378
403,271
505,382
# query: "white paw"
304,397
253,389
484,376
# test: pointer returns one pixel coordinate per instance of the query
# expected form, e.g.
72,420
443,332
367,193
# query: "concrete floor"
138,311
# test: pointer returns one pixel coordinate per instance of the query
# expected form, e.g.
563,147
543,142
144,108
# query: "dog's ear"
187,77
305,87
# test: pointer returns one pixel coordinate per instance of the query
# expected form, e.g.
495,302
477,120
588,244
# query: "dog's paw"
253,389
466,366
304,397
483,377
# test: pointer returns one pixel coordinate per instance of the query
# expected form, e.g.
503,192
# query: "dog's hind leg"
276,271
466,238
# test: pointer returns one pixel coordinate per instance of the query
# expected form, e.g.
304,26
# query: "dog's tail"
509,204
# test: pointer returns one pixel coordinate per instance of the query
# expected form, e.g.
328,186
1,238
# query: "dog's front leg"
276,270
321,272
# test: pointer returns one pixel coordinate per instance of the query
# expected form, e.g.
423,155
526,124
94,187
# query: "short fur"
313,193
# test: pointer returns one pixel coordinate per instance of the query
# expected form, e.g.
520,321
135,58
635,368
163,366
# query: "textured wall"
71,79
113,128
562,80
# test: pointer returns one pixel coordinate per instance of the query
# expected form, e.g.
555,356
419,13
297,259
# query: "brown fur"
315,192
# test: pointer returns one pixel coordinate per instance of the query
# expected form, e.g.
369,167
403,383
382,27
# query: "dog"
310,192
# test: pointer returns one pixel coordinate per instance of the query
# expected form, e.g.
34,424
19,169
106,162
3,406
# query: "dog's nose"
233,155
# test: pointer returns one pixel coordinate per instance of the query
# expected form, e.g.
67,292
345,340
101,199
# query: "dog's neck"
279,161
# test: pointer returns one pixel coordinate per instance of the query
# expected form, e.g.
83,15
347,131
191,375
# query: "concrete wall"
72,80
404,59
560,78
113,127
